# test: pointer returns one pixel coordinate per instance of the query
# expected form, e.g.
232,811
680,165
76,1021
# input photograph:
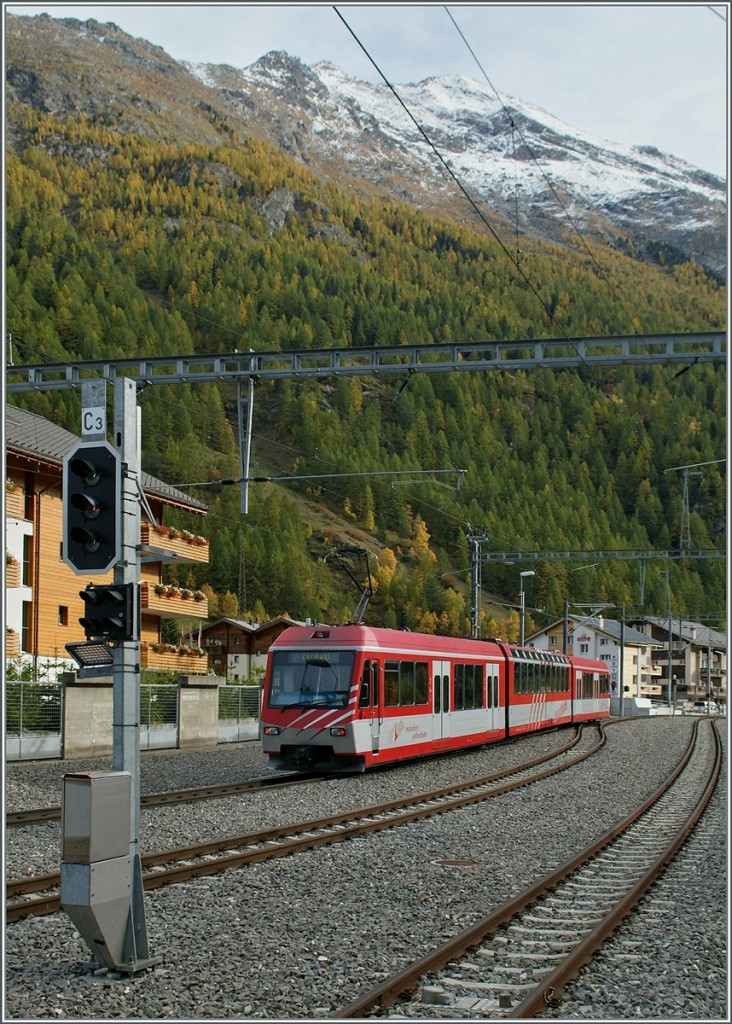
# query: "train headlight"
338,730
271,730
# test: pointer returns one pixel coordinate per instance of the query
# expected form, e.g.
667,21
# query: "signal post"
101,869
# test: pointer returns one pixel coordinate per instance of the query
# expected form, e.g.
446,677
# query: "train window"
468,686
491,690
391,683
420,682
406,683
546,678
459,687
375,684
563,684
302,678
364,692
437,689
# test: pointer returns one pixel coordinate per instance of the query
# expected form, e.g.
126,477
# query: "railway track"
180,865
38,815
517,961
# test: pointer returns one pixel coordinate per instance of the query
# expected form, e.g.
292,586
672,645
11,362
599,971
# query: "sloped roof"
252,627
689,631
608,627
29,434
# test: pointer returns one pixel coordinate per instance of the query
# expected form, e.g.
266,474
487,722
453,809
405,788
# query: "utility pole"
101,868
685,531
522,575
475,539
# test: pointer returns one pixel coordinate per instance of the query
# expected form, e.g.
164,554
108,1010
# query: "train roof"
359,635
374,637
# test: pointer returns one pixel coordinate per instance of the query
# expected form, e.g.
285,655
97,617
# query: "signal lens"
338,731
271,730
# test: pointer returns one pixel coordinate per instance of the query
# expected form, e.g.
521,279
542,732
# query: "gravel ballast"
296,938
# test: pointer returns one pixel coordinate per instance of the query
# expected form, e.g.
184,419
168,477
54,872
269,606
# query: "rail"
628,859
182,864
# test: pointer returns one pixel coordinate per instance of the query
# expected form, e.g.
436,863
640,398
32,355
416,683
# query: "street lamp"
529,572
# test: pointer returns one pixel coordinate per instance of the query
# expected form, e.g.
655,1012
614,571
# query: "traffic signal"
92,488
110,612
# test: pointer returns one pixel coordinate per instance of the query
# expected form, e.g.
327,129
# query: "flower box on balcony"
12,644
185,546
12,573
173,602
164,660
15,502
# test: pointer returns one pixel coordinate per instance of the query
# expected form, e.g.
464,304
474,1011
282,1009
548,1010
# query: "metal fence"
238,713
158,716
33,716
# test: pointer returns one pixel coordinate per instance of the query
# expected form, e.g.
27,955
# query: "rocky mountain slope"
527,173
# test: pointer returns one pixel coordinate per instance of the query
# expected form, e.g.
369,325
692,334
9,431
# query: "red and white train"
348,698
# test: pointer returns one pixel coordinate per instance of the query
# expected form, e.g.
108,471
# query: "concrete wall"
198,716
87,716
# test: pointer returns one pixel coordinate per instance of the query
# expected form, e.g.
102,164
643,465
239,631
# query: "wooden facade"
171,661
238,649
43,603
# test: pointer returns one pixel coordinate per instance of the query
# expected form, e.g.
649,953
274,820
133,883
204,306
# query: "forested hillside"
118,246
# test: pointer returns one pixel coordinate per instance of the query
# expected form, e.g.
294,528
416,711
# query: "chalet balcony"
12,644
173,602
186,661
14,502
12,574
180,545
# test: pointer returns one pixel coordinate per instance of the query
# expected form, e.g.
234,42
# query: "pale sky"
639,74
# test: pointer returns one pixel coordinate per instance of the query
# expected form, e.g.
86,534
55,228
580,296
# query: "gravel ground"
296,938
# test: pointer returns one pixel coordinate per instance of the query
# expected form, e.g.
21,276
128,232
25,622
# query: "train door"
370,705
376,712
440,700
492,699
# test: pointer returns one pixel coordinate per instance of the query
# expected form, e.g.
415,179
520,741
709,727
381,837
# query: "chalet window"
63,615
25,641
27,561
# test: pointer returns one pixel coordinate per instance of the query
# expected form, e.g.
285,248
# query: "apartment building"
42,604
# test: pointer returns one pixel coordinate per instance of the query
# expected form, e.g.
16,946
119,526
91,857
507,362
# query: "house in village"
237,649
627,651
645,655
42,602
698,657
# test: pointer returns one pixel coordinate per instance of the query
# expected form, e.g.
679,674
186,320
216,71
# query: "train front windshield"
305,679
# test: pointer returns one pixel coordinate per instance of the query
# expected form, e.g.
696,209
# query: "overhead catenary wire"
322,476
448,169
